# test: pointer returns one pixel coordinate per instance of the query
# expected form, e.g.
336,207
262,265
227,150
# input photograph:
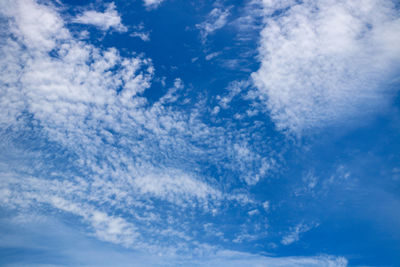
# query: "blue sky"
199,133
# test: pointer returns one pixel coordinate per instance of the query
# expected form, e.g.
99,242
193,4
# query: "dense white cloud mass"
326,61
106,20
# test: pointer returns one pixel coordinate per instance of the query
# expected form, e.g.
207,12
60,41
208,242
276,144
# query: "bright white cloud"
295,232
103,20
144,36
176,187
215,20
38,36
324,62
151,4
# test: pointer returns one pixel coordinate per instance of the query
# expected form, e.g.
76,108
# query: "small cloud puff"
215,20
152,4
103,20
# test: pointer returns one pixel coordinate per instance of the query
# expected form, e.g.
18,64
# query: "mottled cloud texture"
106,147
324,62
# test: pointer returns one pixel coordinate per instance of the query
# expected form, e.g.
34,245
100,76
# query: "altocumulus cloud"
85,142
323,62
107,149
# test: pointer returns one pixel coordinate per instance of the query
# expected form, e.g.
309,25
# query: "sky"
199,133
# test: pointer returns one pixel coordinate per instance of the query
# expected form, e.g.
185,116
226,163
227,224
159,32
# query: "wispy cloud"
152,4
212,55
49,236
140,32
144,36
295,232
233,258
327,62
103,20
215,20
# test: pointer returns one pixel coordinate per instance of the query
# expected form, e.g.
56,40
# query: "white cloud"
103,20
327,62
152,4
144,36
108,228
215,20
212,55
62,195
266,206
176,187
139,31
295,232
38,36
253,212
249,21
233,258
234,88
103,146
51,236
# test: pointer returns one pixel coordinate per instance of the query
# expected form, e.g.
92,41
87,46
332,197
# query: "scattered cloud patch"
144,36
215,20
234,88
140,32
176,187
152,4
233,258
266,206
249,22
107,148
109,19
212,55
295,232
